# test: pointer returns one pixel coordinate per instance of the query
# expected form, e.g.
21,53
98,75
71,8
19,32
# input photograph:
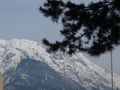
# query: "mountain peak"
76,67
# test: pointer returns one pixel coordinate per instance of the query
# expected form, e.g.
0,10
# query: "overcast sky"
21,19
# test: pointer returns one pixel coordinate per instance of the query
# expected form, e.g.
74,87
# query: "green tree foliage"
93,28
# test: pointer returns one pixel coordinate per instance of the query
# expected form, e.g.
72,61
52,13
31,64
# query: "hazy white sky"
21,19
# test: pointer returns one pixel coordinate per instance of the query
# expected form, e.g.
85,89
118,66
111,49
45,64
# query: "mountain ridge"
77,67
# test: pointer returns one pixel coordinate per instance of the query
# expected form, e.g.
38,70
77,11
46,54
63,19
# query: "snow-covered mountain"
26,65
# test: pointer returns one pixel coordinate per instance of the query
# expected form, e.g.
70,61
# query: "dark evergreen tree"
93,28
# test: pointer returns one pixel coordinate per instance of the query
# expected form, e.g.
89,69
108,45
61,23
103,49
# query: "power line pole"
1,82
111,70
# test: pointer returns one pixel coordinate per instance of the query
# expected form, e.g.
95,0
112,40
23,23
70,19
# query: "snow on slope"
77,67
